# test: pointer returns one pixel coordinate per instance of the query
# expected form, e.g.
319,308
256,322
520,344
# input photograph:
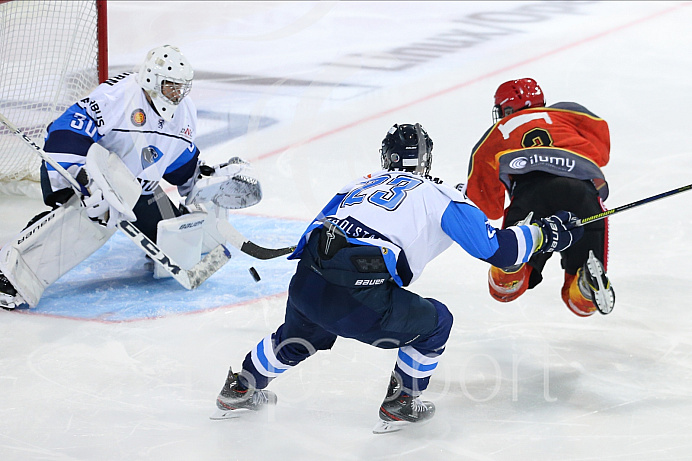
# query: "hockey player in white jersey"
142,127
369,242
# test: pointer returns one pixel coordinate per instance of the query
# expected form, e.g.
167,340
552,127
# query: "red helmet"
515,95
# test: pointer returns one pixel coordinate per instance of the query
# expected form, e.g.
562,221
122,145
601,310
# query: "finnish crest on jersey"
150,155
138,117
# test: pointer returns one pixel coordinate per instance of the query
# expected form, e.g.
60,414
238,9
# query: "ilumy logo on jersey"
150,155
560,162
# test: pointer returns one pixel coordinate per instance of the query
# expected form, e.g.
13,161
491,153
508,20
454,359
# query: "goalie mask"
166,76
515,95
407,148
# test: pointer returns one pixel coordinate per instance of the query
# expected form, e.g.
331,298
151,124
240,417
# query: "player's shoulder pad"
573,107
107,99
116,79
483,138
362,180
453,193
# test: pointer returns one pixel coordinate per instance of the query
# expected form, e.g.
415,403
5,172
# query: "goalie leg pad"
49,248
212,236
181,239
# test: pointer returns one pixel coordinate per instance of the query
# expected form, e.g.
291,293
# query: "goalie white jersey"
377,210
118,116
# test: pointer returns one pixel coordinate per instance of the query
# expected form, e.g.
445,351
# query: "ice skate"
234,399
9,298
400,410
594,281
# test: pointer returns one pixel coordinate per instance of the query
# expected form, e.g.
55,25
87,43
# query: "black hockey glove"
559,231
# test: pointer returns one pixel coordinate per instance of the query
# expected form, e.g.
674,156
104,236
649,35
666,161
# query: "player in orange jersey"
546,158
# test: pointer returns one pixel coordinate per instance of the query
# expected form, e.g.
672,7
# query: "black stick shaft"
605,214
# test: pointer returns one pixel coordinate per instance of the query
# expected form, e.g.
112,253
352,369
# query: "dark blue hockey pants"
385,316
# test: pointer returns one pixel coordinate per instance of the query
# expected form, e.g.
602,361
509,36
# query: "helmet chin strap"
151,103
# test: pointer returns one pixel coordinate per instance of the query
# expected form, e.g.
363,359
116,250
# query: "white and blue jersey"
118,116
414,219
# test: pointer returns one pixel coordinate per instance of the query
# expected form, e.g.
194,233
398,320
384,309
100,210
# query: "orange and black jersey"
564,139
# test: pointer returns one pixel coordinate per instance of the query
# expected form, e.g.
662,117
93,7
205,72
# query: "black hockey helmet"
407,148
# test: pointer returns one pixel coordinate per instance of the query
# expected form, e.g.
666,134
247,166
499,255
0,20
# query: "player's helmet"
407,148
515,95
166,75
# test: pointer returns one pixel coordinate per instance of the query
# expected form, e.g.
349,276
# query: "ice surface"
116,366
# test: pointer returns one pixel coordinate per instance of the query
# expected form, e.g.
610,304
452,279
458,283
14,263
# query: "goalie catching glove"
559,231
229,185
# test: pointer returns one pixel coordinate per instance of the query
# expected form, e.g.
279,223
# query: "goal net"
52,53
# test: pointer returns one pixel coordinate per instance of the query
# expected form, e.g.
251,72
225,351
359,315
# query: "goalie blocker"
213,192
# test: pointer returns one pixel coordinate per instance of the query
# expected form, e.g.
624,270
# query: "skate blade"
220,414
383,427
602,295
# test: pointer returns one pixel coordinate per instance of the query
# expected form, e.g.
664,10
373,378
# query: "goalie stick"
238,240
189,279
605,214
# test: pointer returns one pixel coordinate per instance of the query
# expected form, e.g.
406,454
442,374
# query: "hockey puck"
255,274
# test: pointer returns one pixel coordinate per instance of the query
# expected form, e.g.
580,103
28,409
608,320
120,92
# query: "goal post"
52,53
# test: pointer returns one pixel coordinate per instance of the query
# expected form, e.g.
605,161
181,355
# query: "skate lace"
259,397
418,406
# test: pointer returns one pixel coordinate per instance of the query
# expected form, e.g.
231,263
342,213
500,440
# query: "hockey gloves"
230,185
559,231
99,210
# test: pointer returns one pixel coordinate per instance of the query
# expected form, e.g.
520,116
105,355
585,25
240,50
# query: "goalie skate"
598,285
9,298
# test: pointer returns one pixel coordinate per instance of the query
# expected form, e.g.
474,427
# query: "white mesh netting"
48,60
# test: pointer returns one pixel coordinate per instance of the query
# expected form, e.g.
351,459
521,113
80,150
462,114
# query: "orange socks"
574,298
508,286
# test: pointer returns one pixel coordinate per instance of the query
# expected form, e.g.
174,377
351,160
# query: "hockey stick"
238,240
189,279
605,214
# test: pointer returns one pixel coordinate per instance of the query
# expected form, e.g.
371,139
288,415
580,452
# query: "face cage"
498,115
428,164
179,89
